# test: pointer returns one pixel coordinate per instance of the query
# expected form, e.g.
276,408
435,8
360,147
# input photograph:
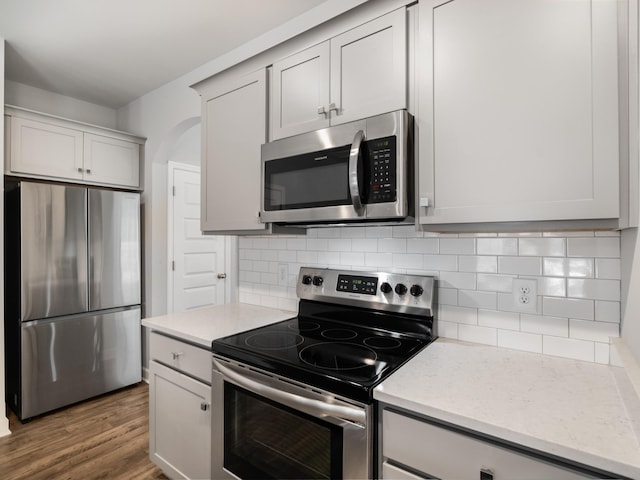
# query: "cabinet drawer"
444,453
192,360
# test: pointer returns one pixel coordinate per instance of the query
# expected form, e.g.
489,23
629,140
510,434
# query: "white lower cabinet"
179,409
412,449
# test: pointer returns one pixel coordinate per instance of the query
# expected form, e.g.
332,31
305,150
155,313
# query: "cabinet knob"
332,106
79,170
222,276
176,355
88,170
322,111
204,406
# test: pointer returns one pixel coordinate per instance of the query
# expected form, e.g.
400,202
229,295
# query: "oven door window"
263,439
310,180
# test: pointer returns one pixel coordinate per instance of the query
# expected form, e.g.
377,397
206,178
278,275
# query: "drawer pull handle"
486,474
204,406
175,355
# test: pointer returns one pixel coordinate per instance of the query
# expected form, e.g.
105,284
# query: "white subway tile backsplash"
577,274
459,246
408,260
448,296
558,327
476,334
339,244
380,260
355,259
607,311
460,280
551,286
602,353
497,319
593,331
422,245
477,299
594,289
568,348
317,244
447,329
528,342
392,245
365,245
447,263
497,246
468,316
568,267
594,247
608,268
478,263
520,265
568,307
542,247
495,283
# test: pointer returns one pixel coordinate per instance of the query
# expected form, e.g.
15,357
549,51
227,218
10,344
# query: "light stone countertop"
584,412
201,326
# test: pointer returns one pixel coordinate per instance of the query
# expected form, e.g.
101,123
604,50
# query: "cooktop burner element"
345,339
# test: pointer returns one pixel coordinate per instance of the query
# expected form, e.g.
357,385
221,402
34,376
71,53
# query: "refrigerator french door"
72,294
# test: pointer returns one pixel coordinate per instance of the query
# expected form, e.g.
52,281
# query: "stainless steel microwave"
357,171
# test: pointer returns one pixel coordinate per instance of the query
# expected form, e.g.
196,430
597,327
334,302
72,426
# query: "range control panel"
385,291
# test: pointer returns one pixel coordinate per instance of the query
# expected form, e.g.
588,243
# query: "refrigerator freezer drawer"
71,359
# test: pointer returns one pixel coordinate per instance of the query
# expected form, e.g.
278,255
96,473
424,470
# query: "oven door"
265,427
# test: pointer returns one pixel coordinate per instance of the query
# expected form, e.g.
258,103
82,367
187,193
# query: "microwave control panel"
381,154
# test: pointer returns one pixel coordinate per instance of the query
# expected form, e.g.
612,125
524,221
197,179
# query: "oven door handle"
308,405
354,188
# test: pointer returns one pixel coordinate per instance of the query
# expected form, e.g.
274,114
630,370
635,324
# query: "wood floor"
103,438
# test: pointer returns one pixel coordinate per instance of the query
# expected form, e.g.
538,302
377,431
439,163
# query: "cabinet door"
179,423
111,161
518,110
234,128
38,148
369,68
300,92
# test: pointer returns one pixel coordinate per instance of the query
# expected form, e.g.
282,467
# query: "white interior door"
196,262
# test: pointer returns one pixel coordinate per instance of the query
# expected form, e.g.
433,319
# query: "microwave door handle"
308,405
354,189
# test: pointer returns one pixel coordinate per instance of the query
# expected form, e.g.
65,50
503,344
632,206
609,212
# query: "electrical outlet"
283,274
525,295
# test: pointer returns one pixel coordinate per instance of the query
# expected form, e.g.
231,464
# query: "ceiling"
110,52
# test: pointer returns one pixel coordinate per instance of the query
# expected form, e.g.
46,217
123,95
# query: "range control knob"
416,290
401,289
385,287
306,279
317,281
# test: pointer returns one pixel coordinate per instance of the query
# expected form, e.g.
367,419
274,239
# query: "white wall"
44,101
4,423
164,115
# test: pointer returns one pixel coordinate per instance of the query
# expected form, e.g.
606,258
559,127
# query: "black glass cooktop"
343,351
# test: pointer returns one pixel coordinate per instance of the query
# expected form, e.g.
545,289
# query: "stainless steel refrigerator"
72,294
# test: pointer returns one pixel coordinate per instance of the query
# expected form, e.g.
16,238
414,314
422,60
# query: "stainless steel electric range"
295,399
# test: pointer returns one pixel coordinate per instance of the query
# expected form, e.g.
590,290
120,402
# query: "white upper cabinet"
518,111
357,74
111,161
41,146
234,116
